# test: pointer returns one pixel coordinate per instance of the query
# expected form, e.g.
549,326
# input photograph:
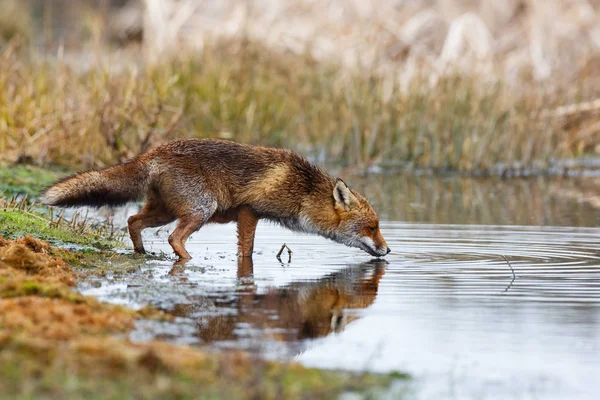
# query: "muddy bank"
55,342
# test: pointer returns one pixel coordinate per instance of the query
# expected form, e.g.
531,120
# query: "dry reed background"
471,86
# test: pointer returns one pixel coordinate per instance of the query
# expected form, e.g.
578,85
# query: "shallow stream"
492,289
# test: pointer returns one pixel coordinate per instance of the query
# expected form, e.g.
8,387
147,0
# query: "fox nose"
388,251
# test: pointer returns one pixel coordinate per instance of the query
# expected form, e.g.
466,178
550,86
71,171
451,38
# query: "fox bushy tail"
111,186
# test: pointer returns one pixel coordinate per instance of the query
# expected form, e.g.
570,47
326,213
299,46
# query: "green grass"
17,223
21,216
97,255
27,180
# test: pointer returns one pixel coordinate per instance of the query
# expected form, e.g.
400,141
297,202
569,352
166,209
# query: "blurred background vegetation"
479,87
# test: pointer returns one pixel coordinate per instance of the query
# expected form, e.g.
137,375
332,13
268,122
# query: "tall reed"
243,91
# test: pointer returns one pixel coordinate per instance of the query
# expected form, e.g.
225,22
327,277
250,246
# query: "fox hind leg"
185,228
153,214
188,224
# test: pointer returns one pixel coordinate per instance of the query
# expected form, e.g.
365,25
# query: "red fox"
199,181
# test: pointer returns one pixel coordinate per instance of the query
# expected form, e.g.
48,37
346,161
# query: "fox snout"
368,245
380,252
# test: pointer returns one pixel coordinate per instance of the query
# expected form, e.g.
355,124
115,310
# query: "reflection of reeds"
491,201
244,91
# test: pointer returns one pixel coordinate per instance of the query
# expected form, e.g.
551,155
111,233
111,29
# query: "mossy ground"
18,223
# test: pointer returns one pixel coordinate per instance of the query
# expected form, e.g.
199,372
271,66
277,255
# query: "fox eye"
372,229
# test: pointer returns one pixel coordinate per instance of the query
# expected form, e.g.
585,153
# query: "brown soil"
56,343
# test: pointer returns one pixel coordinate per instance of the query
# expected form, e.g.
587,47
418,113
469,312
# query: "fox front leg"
246,228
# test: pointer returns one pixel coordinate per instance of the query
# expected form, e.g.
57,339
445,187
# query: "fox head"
359,224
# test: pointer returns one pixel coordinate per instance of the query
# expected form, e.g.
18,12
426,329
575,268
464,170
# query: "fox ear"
342,195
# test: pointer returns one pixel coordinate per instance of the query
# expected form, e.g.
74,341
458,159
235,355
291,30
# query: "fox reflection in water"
298,311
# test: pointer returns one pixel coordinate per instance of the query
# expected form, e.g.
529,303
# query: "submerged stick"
285,246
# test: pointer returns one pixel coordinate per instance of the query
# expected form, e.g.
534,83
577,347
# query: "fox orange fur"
199,181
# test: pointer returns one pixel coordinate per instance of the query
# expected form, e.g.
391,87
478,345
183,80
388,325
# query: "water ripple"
467,307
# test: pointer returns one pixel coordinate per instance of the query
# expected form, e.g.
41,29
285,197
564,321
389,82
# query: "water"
492,290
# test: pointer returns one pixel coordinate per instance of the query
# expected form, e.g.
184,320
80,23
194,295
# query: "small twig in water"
285,246
513,274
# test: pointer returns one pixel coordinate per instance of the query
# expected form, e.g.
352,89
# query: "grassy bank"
20,218
53,114
20,215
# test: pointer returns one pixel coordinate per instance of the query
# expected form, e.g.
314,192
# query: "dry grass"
470,86
247,92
